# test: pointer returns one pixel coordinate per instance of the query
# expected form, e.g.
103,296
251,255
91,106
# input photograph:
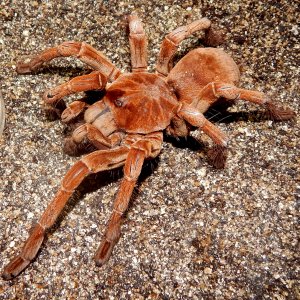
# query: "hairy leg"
93,81
92,163
148,147
213,91
138,44
53,97
218,154
172,40
81,50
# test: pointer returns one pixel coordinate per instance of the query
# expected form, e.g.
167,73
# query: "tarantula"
126,125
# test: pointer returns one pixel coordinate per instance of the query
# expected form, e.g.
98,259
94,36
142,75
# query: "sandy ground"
192,232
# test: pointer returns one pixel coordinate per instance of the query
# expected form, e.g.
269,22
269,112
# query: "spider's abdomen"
199,68
141,103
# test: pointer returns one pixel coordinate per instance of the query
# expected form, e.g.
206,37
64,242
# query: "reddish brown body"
126,125
141,103
204,66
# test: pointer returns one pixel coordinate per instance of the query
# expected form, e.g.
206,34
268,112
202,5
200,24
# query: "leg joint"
69,48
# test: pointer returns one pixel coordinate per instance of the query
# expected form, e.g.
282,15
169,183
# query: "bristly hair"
53,112
217,156
70,147
76,149
214,37
275,113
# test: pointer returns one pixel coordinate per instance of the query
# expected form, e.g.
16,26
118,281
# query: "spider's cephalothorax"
126,126
141,103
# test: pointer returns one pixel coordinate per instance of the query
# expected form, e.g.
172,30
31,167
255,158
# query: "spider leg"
171,42
92,163
177,127
216,90
81,50
89,133
218,154
93,81
138,44
73,110
149,147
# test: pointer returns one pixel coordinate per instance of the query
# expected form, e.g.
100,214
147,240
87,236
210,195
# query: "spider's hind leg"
218,154
277,113
231,92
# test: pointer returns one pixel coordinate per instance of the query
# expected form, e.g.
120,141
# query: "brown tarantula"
126,126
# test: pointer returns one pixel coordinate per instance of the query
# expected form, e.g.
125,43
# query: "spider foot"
104,252
52,113
14,268
217,156
278,113
214,37
26,68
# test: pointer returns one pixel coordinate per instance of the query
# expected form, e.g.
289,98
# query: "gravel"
192,232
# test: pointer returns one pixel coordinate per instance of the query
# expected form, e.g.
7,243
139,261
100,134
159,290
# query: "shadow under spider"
218,113
62,71
185,142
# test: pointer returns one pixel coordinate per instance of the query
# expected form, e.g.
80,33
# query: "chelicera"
126,126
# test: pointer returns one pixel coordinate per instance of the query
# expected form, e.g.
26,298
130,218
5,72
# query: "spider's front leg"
94,81
92,163
105,71
84,52
149,147
218,154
